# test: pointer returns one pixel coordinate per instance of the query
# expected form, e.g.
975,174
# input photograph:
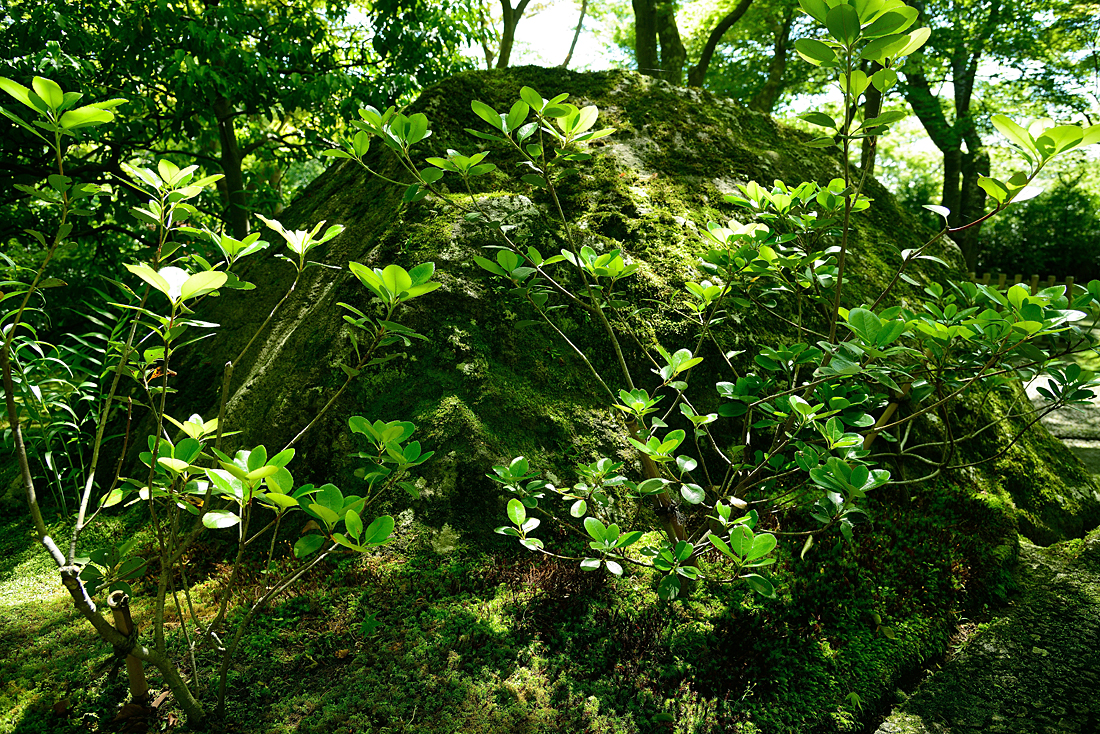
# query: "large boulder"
482,390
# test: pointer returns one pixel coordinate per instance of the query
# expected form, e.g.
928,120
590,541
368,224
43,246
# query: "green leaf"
308,545
884,79
884,48
281,502
531,97
202,283
669,588
21,93
843,24
379,531
892,22
130,567
760,585
819,118
48,91
396,279
815,52
693,494
489,265
865,323
327,514
891,330
816,9
741,541
354,524
722,546
1015,133
487,113
762,545
516,512
150,276
595,528
683,550
218,519
431,175
994,188
917,39
517,115
85,117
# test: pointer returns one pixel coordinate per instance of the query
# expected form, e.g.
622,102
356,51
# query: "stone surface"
1077,426
1035,668
1087,450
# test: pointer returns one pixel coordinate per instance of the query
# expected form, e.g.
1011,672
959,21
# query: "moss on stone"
481,390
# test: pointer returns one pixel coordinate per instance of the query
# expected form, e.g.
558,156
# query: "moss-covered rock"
481,390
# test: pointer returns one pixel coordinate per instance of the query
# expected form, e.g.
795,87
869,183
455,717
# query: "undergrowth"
476,640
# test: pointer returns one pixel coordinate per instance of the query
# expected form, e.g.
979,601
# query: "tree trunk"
962,170
576,35
698,74
645,37
972,199
488,35
508,37
236,212
764,100
673,54
961,193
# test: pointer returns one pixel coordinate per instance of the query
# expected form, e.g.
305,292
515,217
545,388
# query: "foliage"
189,485
801,424
1037,39
246,88
1056,233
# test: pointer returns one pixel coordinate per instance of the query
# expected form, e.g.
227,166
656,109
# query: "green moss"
565,651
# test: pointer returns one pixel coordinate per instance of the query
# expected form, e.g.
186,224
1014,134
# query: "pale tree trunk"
576,35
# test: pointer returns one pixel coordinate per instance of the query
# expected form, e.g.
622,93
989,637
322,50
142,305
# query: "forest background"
255,90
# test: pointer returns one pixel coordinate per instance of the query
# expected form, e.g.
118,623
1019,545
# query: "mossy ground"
472,637
1033,667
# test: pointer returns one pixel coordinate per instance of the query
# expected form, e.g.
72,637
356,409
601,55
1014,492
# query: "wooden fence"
1002,283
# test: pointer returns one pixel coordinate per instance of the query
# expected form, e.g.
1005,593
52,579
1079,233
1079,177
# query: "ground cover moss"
483,639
